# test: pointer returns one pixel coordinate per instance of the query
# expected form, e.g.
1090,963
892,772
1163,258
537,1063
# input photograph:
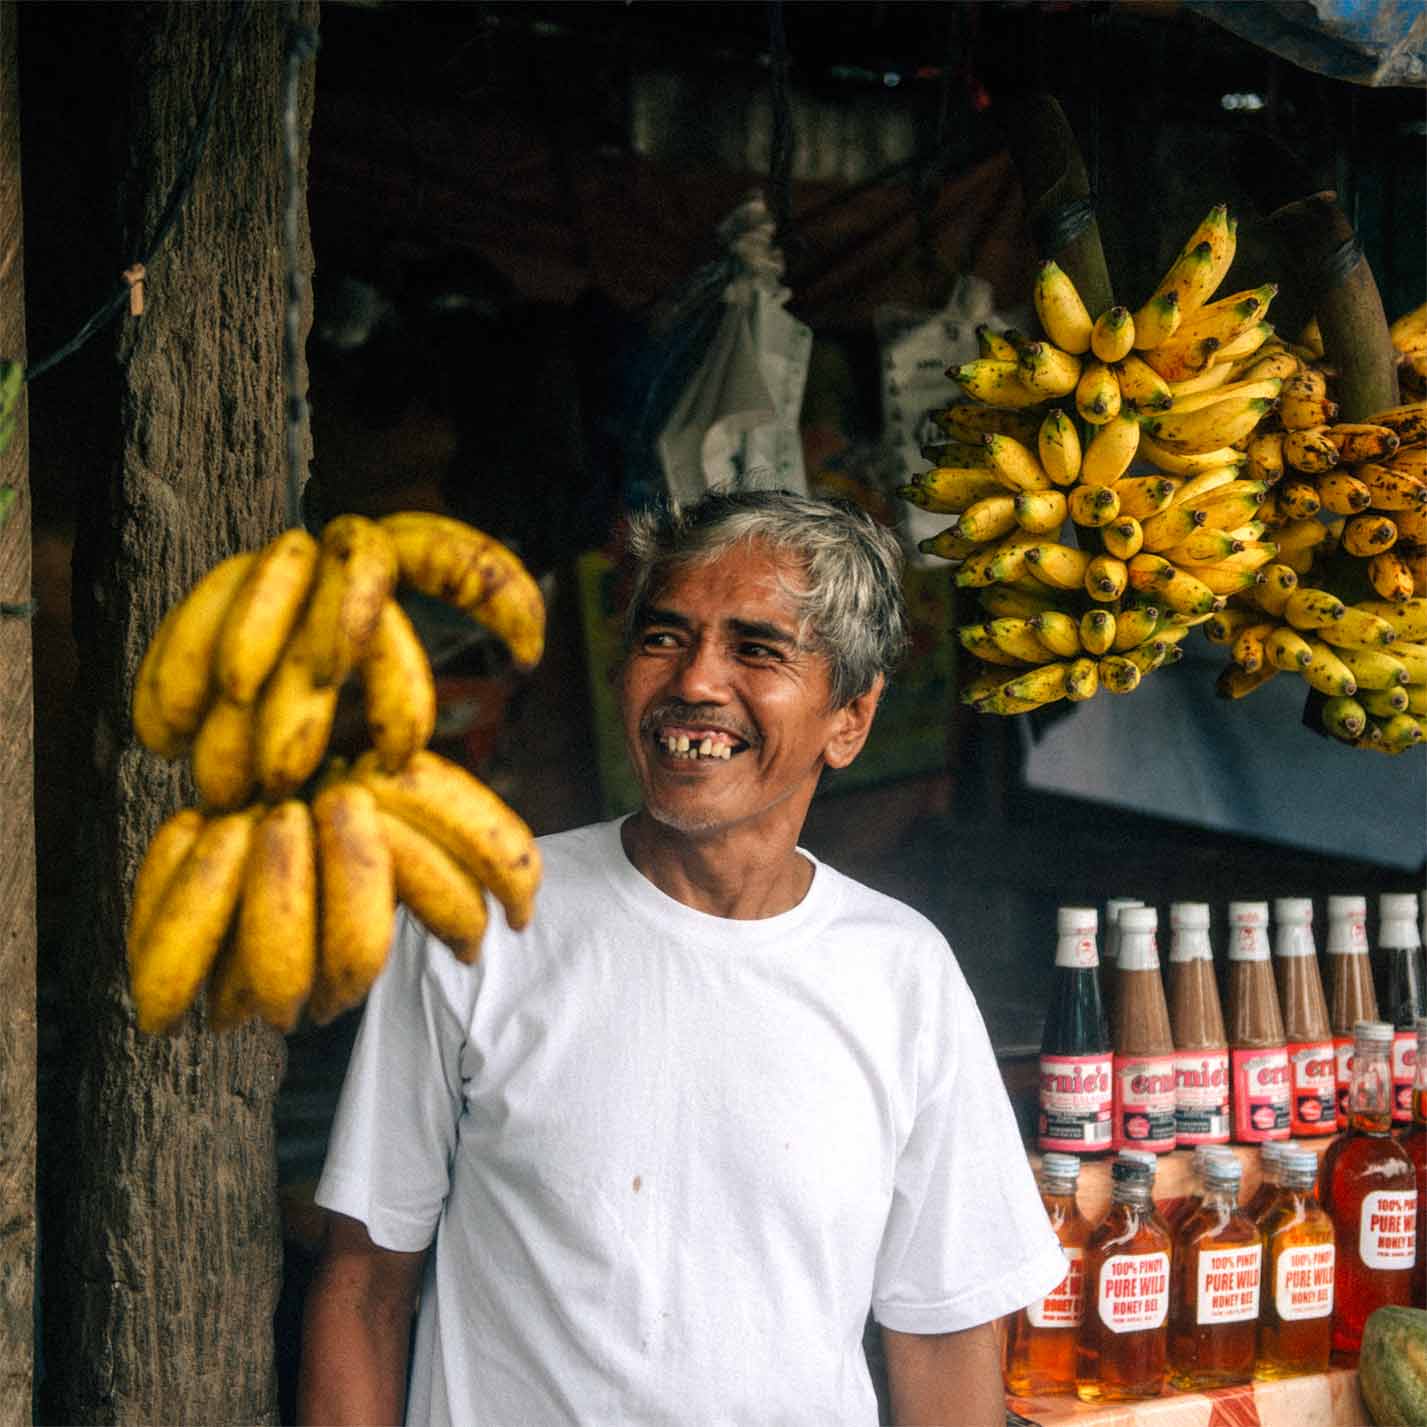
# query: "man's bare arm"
946,1379
356,1330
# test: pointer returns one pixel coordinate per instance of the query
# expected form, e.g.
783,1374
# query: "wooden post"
17,819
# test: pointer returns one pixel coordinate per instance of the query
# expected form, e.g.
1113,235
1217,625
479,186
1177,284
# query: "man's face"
725,714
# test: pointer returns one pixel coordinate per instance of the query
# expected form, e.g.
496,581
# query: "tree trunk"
162,1254
17,822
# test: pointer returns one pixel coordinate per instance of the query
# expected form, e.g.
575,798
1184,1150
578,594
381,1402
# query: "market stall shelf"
1328,1399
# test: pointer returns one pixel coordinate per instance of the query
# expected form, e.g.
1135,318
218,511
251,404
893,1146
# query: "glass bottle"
1312,1067
1180,1209
1258,1050
1201,1050
1217,1264
1352,997
1110,951
1296,1321
1076,1064
1120,1354
1144,1044
1415,1143
1040,1339
1369,1189
1401,996
1270,1157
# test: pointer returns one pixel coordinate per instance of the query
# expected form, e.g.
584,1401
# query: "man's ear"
853,722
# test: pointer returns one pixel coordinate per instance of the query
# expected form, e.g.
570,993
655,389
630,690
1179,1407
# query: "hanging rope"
301,48
123,295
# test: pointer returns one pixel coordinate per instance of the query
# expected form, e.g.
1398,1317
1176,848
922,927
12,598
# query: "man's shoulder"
859,902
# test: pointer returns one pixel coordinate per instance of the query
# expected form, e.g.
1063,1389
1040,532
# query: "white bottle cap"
1397,920
1138,919
1070,920
1249,925
1191,916
1297,910
1347,906
1248,914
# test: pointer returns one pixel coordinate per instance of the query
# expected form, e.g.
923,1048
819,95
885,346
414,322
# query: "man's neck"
743,874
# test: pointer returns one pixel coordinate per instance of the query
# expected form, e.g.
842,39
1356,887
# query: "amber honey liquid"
1296,1320
1214,1297
1121,1354
1040,1339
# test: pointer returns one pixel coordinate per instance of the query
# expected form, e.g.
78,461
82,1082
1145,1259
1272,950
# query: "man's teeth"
681,746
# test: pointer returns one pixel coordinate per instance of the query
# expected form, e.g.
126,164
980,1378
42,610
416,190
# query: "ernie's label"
1303,1283
1076,1099
1262,1086
1387,1229
1404,1069
1313,1109
1144,1102
1201,1097
1064,1306
1133,1295
1229,1284
1343,1052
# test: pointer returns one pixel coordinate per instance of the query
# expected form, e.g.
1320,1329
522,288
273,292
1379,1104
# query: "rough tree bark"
17,823
162,1250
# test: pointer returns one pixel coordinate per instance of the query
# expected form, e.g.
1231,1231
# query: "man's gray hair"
851,607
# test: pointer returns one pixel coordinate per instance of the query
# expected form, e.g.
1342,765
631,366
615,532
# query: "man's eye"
657,639
758,651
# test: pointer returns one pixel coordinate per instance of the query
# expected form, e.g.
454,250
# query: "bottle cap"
1116,905
1248,914
1397,907
1225,1172
1138,919
1297,910
1372,1033
1271,1151
1297,1165
1204,1153
1070,920
1189,916
1130,1168
1347,906
1055,1165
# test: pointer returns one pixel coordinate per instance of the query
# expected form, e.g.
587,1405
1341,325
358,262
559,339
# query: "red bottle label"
1313,1109
1144,1102
1201,1097
1262,1083
1076,1096
1343,1051
1404,1070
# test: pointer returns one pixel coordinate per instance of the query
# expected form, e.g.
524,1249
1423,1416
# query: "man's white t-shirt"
669,1159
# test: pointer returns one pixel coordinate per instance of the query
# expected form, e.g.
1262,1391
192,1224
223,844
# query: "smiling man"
652,1160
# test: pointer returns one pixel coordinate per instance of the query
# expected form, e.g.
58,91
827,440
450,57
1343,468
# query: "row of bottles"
1164,1067
1219,1293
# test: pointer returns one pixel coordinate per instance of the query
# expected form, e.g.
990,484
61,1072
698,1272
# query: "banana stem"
1056,192
1317,241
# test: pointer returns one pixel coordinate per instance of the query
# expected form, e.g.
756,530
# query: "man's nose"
701,676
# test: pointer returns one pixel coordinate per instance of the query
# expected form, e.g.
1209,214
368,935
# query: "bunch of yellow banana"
244,676
1409,342
288,906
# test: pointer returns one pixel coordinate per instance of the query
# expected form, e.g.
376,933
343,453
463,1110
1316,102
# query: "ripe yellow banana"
1373,668
1007,601
1214,376
1211,427
976,639
951,544
1141,387
225,755
166,851
398,687
1344,717
1287,649
1144,496
968,422
1062,312
442,895
1123,537
1048,370
1118,675
1235,682
1392,489
1308,449
948,490
1097,631
358,894
1007,559
263,614
1106,578
1059,449
1177,363
992,344
1408,618
1272,592
1170,527
1297,499
149,725
989,518
1111,449
1044,512
1265,453
1016,464
1082,680
1407,421
1383,703
356,572
1310,608
1097,394
1229,318
1187,463
1225,625
1203,547
1157,321
1327,673
183,672
1267,387
1093,506
1391,576
1182,592
1369,535
1400,732
445,802
1133,625
294,722
452,561
1246,345
1363,441
1018,638
176,948
1269,360
1113,334
1062,567
274,956
1058,631
995,382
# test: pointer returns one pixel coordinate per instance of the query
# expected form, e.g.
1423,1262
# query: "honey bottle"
1040,1339
1312,1068
1214,1286
1144,1108
1120,1353
1258,1050
1350,979
1261,1201
1180,1209
1076,1064
1415,1143
1401,994
1369,1189
1196,1021
1296,1321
